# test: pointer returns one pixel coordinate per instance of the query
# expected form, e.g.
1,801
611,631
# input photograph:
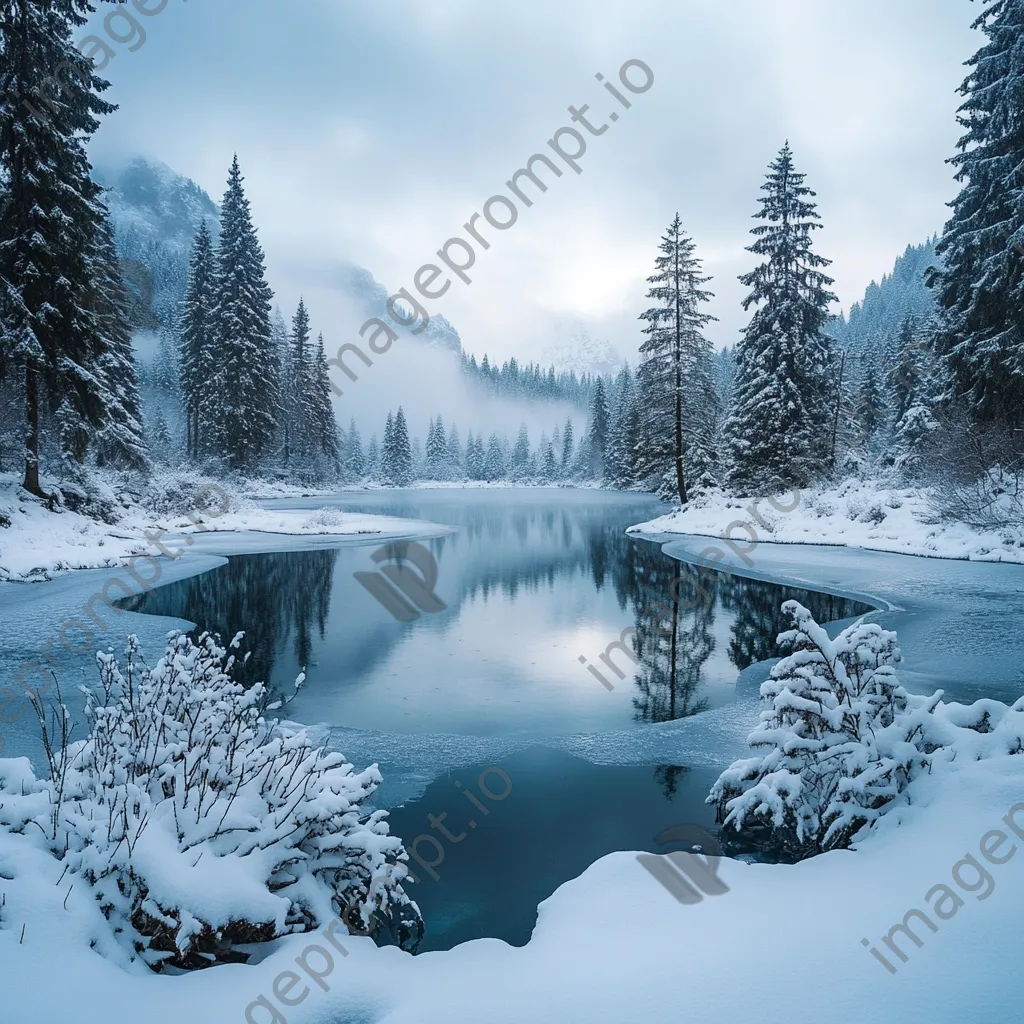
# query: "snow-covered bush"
182,491
199,823
844,740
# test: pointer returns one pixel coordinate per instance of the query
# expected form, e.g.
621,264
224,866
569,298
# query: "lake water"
530,581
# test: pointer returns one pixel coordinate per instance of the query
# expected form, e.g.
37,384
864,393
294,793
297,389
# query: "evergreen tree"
401,458
437,451
161,436
905,375
120,440
326,440
198,343
474,457
387,452
454,453
600,428
870,410
779,427
247,366
297,405
626,435
548,462
373,468
982,283
50,223
355,463
678,402
521,455
568,447
494,462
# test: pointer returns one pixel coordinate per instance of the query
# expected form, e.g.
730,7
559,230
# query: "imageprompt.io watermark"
688,875
396,587
458,254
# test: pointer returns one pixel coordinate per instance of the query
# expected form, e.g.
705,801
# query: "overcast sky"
370,130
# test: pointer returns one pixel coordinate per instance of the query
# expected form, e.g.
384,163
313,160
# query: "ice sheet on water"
410,762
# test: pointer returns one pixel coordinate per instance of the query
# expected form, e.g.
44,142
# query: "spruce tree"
387,452
355,462
198,343
779,427
904,379
674,380
494,461
870,408
454,453
247,383
401,458
437,451
568,447
325,440
51,219
521,454
600,427
981,287
373,459
298,405
120,440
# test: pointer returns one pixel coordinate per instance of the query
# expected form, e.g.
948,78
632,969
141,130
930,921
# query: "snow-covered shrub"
874,513
183,491
199,823
844,740
327,516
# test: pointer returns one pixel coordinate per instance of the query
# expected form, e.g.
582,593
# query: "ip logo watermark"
688,876
398,587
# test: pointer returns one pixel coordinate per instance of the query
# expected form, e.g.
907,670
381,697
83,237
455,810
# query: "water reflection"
531,580
278,600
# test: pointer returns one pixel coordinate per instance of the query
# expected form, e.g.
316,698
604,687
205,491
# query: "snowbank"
858,514
38,542
612,946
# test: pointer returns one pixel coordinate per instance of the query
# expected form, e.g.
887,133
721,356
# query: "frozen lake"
530,581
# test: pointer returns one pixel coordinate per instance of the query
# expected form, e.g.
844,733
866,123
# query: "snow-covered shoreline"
856,514
39,543
585,961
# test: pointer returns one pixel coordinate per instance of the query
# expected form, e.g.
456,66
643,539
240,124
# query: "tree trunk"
31,481
680,473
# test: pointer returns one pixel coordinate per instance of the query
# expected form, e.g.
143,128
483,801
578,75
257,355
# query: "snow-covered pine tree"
780,424
625,431
981,287
355,461
373,470
325,440
870,410
905,375
197,354
50,216
494,461
297,401
843,740
676,390
246,385
474,457
599,430
401,459
437,451
521,463
453,452
120,440
568,449
387,452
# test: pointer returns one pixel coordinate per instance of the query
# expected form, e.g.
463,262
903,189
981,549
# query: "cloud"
369,133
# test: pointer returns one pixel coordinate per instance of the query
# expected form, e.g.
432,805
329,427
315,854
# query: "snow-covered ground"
856,513
38,542
783,944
